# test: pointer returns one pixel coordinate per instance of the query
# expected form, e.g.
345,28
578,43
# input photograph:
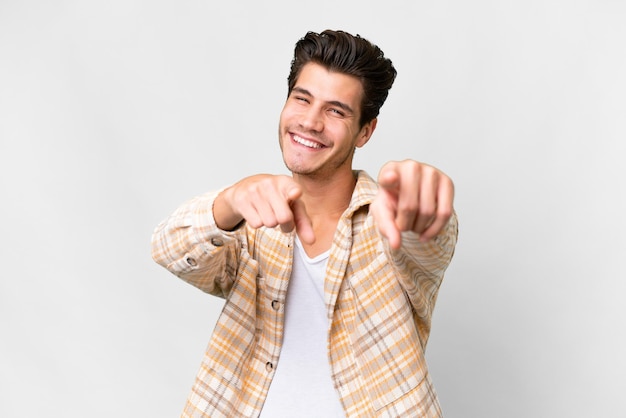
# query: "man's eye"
337,112
301,99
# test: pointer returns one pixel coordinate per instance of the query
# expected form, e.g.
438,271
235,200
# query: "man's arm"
199,242
190,245
414,212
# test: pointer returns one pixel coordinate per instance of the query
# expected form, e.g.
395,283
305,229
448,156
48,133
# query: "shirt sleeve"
190,245
420,268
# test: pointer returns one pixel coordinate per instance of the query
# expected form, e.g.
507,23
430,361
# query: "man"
330,278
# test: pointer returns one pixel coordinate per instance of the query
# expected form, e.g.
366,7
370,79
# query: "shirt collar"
364,192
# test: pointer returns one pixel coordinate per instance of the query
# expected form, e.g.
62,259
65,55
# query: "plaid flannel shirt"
379,304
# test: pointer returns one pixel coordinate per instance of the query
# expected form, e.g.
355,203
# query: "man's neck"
328,197
325,201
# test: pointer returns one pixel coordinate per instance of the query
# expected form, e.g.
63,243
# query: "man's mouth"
306,142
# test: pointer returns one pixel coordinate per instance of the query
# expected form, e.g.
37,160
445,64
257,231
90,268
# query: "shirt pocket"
384,335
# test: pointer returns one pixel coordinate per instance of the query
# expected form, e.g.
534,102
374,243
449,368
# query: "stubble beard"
321,172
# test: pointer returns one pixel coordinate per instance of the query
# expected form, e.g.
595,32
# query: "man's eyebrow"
301,91
337,103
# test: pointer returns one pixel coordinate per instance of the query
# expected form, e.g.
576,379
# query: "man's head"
344,53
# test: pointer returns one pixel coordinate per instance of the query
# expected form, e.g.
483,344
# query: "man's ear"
366,132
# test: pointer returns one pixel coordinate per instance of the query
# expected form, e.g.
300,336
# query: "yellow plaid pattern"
379,304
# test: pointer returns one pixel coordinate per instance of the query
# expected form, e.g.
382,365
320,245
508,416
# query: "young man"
330,278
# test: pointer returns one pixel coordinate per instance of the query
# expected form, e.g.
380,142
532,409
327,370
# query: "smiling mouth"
306,142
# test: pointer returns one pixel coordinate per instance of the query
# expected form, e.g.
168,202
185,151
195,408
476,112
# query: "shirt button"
275,305
218,242
191,261
269,366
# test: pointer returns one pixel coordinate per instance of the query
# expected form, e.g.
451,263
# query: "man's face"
319,125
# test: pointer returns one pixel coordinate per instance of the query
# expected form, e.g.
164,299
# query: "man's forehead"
329,85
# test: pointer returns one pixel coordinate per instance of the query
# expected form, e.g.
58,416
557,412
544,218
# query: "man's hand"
264,200
412,197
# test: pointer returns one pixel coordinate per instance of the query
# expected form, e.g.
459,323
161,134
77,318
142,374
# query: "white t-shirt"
302,386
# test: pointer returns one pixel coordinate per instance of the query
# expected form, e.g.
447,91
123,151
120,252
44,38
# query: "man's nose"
312,120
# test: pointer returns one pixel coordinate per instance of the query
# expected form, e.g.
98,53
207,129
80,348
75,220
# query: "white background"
112,113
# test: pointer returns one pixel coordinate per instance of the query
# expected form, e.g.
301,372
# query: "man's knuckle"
444,212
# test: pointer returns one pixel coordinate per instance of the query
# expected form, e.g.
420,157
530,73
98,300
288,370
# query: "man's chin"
297,169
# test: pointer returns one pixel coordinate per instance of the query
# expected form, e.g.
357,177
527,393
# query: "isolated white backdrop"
114,112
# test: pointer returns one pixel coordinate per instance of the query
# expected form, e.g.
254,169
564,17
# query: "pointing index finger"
300,218
303,224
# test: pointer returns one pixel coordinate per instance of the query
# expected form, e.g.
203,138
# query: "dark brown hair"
352,55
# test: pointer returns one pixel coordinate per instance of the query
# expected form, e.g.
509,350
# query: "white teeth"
306,142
